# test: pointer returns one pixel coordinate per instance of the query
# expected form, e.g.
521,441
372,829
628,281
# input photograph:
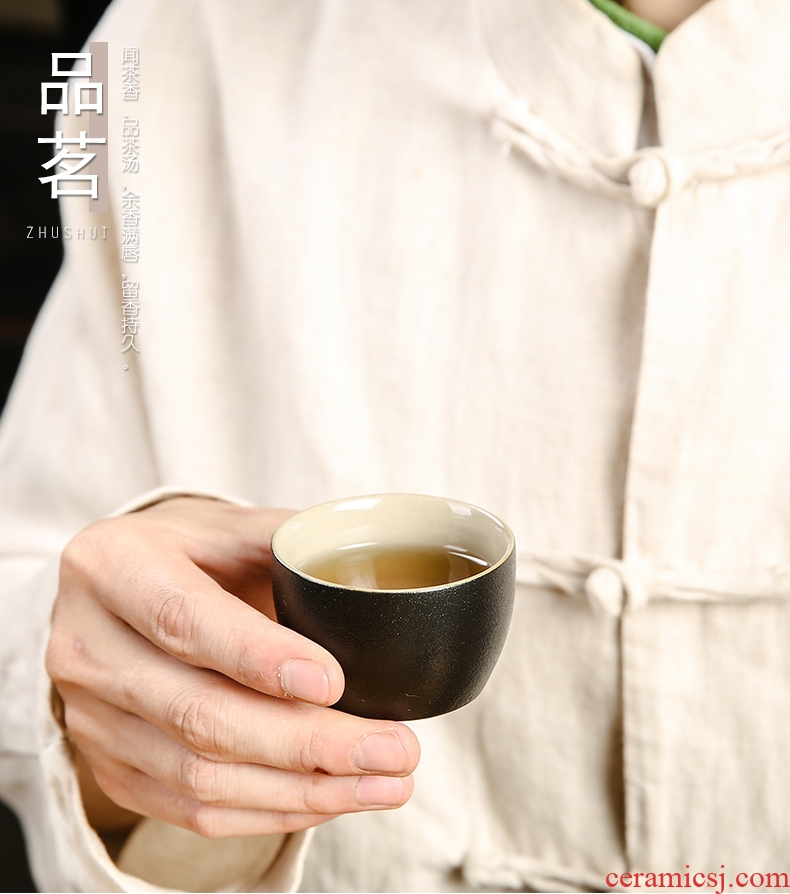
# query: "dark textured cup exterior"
406,654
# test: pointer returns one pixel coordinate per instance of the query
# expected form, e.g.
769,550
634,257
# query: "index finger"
187,614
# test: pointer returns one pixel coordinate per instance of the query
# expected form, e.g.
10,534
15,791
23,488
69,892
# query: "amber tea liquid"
373,567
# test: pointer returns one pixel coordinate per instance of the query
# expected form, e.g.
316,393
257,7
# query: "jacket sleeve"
74,446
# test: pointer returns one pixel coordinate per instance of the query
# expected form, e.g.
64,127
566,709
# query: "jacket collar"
574,66
721,78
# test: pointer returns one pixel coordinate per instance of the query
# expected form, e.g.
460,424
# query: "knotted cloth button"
605,590
649,179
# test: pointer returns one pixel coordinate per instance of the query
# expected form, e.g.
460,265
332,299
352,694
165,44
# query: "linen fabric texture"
420,246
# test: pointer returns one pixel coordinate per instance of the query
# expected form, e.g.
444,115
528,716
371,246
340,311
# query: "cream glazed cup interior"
392,520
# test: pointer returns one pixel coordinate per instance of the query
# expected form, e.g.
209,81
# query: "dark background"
29,31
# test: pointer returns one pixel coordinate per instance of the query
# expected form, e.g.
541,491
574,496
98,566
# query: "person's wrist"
104,815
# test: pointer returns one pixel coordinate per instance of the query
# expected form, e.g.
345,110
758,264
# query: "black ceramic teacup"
412,594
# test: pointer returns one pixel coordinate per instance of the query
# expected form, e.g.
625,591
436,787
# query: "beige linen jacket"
414,245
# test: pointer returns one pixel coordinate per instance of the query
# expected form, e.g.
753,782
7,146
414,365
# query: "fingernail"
381,752
304,680
380,791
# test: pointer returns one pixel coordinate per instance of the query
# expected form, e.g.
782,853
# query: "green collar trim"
651,34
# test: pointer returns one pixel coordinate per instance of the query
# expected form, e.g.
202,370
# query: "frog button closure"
605,590
649,180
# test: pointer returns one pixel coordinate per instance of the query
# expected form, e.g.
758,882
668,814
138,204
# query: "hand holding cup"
187,702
